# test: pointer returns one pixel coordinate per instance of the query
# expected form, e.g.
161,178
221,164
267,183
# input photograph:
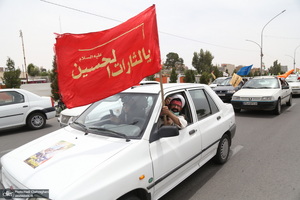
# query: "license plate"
221,95
249,103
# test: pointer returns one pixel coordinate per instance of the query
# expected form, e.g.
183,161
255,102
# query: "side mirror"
164,131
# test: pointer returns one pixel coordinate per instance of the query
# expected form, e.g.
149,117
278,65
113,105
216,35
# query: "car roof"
263,77
167,87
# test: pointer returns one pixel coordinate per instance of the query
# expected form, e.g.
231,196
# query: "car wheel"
223,150
289,103
237,110
36,121
129,197
277,109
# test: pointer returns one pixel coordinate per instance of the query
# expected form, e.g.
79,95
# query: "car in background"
149,82
263,93
20,107
68,115
294,82
96,157
225,90
217,82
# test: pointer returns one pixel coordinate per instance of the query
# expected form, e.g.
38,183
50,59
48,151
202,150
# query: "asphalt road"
264,162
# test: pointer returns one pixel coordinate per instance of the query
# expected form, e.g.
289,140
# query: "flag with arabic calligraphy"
96,65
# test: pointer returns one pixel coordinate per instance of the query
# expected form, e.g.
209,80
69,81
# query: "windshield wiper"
82,126
111,132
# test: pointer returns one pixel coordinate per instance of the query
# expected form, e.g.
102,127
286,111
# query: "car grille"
250,98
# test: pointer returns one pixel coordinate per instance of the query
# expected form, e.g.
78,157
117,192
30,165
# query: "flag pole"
162,94
161,88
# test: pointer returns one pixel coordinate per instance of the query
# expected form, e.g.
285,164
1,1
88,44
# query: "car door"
174,158
13,108
285,91
209,123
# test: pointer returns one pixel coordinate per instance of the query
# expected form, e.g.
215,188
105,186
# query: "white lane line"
236,149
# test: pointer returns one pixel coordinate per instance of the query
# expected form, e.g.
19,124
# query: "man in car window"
173,112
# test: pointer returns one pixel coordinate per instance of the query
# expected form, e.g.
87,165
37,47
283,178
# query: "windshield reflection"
265,83
123,114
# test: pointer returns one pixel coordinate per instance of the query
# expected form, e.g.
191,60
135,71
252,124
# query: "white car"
68,115
217,82
20,107
263,93
294,82
97,158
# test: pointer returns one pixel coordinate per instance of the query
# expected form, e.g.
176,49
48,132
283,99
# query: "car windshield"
226,82
122,115
264,83
292,79
218,81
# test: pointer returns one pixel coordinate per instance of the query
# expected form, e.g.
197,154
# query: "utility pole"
21,35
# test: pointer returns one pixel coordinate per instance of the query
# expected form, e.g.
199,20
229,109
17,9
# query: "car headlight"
236,98
266,98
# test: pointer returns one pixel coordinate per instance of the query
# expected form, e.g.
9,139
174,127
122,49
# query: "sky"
184,27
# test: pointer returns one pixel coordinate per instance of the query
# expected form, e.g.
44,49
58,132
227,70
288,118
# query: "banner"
244,71
235,80
286,74
96,65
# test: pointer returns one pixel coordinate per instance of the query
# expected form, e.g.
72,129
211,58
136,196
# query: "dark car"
225,90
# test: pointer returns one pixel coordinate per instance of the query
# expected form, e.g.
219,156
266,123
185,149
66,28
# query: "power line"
82,11
186,38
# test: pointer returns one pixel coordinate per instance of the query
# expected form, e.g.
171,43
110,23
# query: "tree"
54,81
11,78
276,68
202,61
173,76
205,76
217,72
172,60
33,70
189,76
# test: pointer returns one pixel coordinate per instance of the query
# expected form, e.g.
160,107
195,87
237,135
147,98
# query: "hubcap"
37,121
224,149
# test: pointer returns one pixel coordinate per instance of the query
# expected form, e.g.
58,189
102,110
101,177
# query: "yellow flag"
235,80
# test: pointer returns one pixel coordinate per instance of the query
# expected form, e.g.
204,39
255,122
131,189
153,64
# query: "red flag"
96,65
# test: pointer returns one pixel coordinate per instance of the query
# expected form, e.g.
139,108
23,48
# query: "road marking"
236,149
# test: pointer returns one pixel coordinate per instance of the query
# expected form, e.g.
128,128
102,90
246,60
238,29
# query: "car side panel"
175,158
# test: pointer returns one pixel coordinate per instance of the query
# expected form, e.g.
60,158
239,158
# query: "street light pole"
257,45
295,57
261,42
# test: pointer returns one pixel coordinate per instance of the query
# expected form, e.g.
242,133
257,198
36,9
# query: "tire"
223,150
129,197
237,110
277,109
36,121
289,103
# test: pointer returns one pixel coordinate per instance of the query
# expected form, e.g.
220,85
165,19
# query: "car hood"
297,83
225,88
255,92
74,111
69,154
